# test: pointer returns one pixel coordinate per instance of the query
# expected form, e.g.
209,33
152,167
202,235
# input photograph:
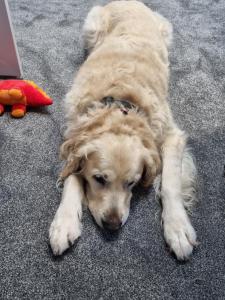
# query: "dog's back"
128,58
121,19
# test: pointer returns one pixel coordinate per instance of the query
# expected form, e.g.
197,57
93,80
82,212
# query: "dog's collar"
124,105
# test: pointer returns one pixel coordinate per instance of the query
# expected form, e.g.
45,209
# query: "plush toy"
20,94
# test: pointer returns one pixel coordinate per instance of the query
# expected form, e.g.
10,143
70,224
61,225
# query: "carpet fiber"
136,264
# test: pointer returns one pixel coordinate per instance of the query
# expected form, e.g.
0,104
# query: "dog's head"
111,164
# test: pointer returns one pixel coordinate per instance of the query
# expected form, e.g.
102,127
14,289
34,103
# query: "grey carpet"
136,264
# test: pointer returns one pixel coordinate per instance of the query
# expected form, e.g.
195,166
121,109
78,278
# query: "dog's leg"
95,27
178,231
66,226
165,28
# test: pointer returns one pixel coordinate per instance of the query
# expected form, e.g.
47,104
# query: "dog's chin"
98,219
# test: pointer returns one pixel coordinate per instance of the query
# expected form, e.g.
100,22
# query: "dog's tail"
95,27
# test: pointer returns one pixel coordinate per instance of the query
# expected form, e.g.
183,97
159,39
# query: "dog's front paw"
179,235
63,232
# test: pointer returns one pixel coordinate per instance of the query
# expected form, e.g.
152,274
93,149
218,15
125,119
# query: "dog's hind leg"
95,27
165,28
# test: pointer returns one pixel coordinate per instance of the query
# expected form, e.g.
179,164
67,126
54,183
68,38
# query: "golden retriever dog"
120,130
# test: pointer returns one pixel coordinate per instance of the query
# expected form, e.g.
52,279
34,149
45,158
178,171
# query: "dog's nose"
112,223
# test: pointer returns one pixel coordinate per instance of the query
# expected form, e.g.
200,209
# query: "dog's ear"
68,152
151,167
79,145
75,156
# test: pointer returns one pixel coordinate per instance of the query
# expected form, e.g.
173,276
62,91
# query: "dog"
120,129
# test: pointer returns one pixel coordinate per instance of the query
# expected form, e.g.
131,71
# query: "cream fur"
125,61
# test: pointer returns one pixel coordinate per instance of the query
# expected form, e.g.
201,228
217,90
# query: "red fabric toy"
20,94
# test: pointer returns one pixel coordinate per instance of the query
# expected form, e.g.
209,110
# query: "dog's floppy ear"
75,155
79,145
151,167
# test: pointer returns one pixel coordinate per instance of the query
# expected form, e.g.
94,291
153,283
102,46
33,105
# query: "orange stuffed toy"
20,94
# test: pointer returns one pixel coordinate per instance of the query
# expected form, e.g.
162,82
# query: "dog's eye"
100,179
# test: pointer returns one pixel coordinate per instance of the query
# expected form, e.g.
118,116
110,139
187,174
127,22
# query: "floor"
136,264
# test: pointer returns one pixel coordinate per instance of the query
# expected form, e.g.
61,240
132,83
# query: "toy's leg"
18,110
1,109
